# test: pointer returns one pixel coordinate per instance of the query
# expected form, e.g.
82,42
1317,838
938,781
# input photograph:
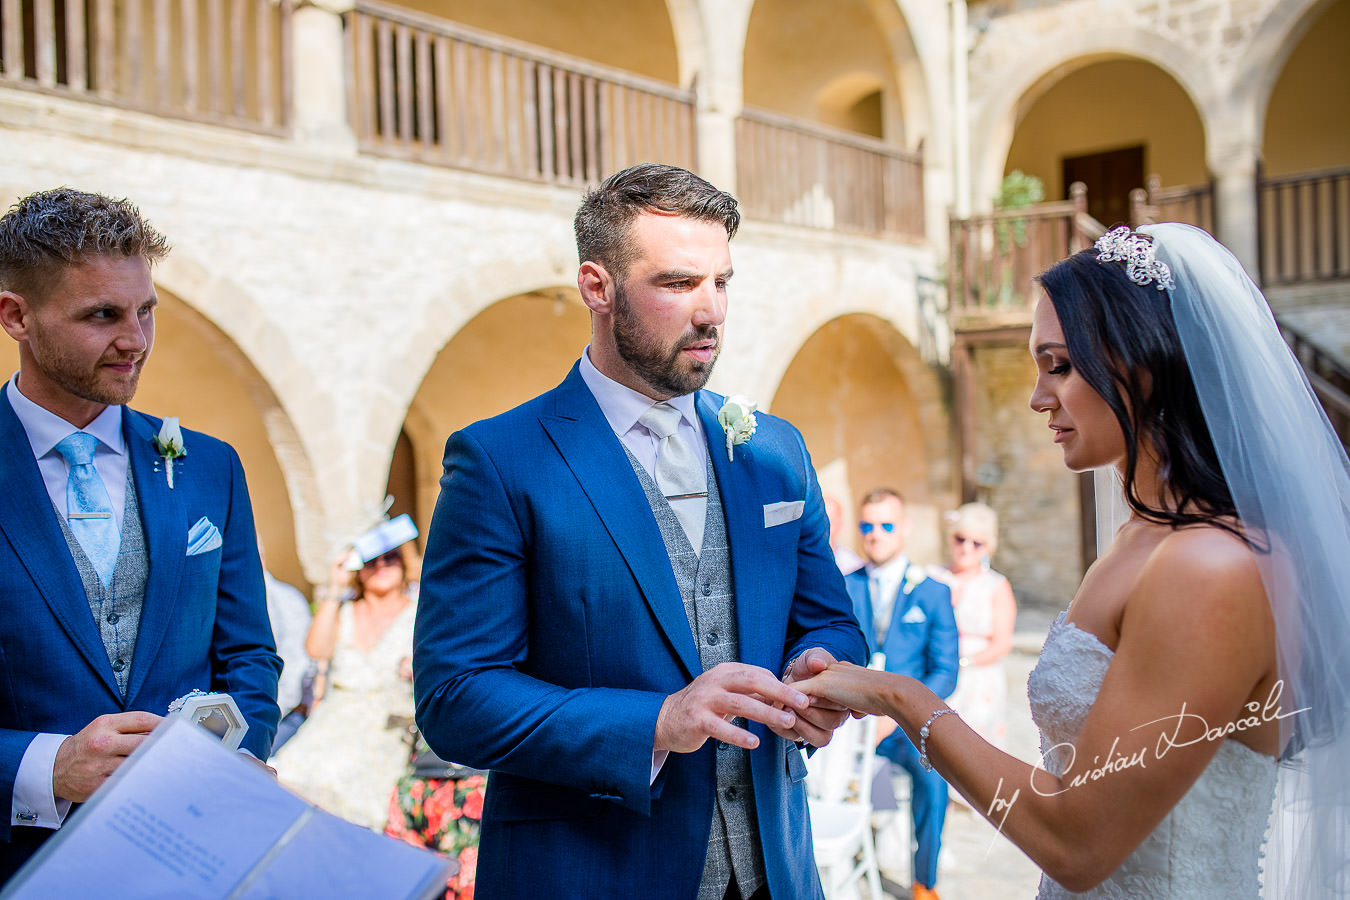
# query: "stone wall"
1023,477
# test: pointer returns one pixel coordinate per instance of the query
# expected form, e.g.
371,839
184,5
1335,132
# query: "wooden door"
1109,176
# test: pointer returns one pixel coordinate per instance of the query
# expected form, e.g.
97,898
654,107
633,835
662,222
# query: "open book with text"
184,818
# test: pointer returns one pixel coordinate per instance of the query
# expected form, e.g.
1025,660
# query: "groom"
121,591
613,608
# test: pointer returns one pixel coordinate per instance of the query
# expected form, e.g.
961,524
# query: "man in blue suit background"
909,617
617,594
122,589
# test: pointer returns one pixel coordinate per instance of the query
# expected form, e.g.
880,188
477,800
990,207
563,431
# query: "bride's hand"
861,690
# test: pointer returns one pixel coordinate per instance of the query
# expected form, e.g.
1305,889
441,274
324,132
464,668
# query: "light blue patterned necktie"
88,509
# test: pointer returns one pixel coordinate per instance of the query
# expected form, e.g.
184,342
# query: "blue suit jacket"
550,629
921,641
203,625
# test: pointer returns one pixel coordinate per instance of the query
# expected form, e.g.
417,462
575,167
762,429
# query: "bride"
1196,691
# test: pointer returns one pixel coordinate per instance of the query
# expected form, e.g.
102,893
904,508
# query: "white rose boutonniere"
914,576
737,417
169,444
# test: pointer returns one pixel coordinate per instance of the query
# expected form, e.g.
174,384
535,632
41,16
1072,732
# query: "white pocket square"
784,511
914,615
203,537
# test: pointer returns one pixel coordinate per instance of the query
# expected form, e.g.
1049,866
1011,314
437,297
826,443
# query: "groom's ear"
14,310
597,288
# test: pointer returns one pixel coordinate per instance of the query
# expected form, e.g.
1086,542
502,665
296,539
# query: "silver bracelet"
923,737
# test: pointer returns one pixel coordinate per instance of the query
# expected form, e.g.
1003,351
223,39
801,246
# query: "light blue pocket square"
203,537
914,615
782,512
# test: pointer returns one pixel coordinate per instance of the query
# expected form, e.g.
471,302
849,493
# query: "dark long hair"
1122,339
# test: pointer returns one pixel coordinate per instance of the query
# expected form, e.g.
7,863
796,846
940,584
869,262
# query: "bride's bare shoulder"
1200,573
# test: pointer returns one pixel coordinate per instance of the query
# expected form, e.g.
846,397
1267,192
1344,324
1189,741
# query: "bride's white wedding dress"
1210,844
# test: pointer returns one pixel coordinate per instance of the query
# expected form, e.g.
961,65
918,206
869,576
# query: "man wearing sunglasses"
909,617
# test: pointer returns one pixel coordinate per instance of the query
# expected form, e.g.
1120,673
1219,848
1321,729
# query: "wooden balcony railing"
799,173
1192,204
426,89
1329,378
994,257
1304,227
226,62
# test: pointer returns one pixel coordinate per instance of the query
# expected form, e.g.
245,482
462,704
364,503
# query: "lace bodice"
1210,844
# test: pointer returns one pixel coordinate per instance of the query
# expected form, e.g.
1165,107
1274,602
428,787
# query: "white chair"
839,798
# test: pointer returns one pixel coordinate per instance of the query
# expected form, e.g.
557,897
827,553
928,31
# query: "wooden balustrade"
434,91
1330,379
802,174
1192,204
1304,227
226,62
994,257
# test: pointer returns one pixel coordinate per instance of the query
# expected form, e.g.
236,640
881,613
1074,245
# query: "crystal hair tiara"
1137,252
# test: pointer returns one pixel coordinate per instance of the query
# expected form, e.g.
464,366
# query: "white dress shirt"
290,616
884,583
33,802
622,406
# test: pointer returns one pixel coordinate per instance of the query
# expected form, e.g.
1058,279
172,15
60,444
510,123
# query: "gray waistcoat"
117,608
704,580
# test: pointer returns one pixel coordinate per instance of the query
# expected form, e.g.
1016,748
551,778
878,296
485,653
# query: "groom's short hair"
48,231
604,221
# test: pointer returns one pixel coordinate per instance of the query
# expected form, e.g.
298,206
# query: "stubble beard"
663,368
70,376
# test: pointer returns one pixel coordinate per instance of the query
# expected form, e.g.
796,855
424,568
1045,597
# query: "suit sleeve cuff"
33,803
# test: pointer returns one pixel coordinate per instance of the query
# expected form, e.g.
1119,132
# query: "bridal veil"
1290,481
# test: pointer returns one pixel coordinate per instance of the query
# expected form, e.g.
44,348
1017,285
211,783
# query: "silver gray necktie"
680,475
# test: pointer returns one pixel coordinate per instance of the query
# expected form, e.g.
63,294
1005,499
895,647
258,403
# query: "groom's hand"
86,759
816,723
704,709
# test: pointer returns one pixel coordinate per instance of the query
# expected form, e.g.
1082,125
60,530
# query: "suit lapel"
165,525
861,595
744,514
595,456
29,523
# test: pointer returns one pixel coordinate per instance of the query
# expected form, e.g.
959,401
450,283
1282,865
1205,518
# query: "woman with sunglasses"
985,615
1194,699
347,758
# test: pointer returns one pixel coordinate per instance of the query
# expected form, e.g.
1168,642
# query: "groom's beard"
664,368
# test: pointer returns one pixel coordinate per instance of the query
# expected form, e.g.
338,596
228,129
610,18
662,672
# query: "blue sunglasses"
869,527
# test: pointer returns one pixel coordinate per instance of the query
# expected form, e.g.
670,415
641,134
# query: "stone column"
1235,201
719,88
960,47
319,76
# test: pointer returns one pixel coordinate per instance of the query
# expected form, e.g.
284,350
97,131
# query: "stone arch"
847,102
859,46
474,291
872,413
1157,128
1307,72
1273,42
235,323
201,374
506,353
1014,87
691,46
914,75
